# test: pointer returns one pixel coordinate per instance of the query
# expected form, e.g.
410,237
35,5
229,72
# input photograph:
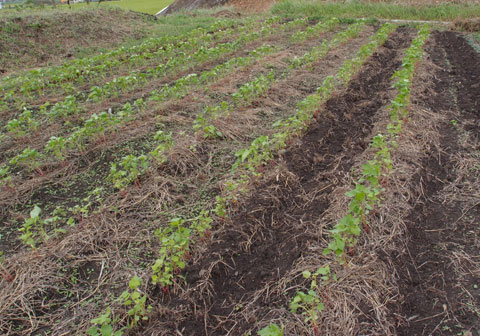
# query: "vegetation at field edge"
379,10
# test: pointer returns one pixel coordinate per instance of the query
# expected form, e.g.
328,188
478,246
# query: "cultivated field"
266,175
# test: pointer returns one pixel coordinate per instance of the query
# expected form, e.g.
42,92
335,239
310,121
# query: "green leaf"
306,274
135,282
35,212
92,331
271,330
106,330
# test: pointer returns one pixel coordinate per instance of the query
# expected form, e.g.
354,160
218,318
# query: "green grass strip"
381,10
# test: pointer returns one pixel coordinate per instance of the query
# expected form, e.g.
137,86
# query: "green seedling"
57,146
309,303
33,229
133,300
5,177
104,325
30,158
165,145
202,224
272,330
132,167
175,243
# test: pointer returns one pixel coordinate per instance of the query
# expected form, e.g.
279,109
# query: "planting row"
366,195
204,124
87,69
201,53
374,176
130,168
57,149
177,238
96,67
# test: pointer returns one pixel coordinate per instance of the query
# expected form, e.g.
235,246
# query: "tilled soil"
229,287
439,275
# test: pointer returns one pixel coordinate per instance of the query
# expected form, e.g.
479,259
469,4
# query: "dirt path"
439,276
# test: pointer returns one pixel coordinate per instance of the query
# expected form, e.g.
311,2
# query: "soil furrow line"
270,230
436,295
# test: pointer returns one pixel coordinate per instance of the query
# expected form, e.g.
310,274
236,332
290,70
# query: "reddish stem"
6,274
351,251
365,225
315,329
39,171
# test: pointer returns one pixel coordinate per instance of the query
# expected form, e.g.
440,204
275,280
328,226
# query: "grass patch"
441,12
143,6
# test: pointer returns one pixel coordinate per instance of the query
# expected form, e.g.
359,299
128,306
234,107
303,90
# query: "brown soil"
438,276
229,286
472,25
66,185
252,6
33,41
187,5
119,238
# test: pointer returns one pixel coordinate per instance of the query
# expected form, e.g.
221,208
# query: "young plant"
202,223
5,177
201,126
132,168
175,240
309,302
33,229
271,330
57,146
344,234
165,144
30,158
104,325
310,305
135,301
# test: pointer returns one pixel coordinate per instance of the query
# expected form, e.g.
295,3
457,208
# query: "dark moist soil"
269,231
434,302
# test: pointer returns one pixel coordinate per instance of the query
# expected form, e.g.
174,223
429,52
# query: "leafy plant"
175,240
58,147
309,302
165,144
132,168
203,223
30,158
220,207
104,325
33,229
271,330
133,299
5,177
